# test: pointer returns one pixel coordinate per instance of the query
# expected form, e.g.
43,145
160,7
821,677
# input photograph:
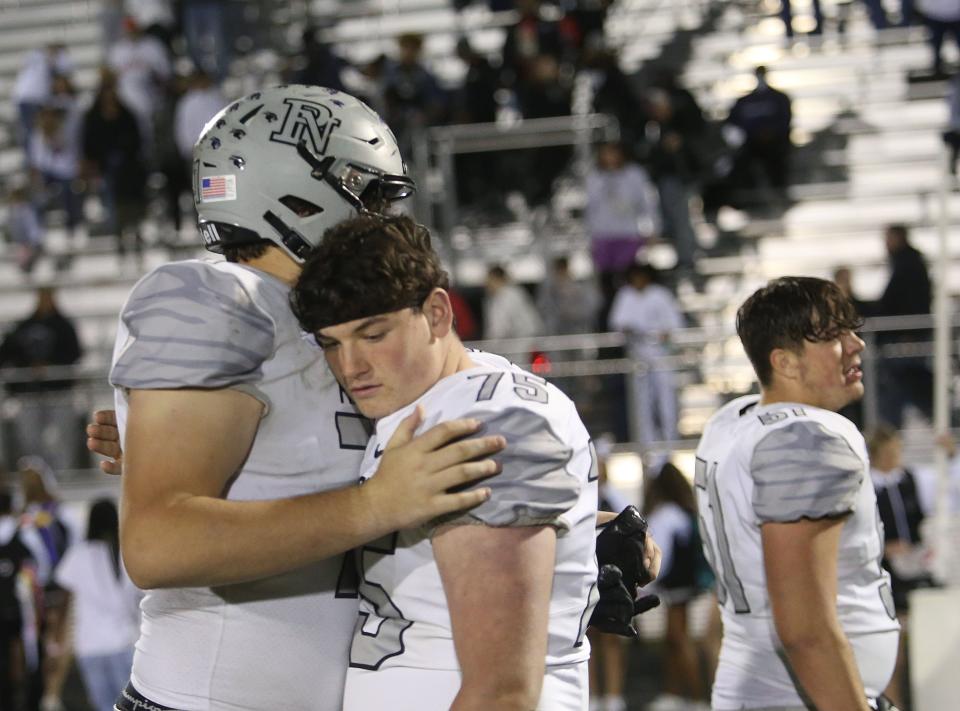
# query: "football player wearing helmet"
788,515
485,609
241,451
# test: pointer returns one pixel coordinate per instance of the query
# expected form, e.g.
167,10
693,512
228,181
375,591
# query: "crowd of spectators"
63,597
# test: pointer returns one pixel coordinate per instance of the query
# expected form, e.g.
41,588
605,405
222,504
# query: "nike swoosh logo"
377,452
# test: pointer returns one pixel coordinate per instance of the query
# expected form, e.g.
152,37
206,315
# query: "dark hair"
878,436
104,525
245,252
788,311
900,231
644,269
669,486
497,272
365,266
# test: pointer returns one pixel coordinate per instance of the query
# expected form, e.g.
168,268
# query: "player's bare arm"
497,583
800,561
177,528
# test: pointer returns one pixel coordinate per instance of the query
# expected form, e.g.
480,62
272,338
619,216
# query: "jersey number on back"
728,583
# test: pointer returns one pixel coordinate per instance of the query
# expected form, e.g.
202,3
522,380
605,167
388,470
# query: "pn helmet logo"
306,120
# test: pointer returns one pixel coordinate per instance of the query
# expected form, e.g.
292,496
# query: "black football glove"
620,548
616,607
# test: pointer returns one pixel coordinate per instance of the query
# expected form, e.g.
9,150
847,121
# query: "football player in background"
789,518
485,609
240,450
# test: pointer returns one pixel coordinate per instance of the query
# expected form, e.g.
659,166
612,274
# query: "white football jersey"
780,463
549,477
280,642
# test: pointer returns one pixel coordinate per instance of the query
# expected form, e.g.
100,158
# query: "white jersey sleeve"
782,463
189,324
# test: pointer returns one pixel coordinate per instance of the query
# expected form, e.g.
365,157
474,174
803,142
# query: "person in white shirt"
788,515
32,87
104,603
196,107
648,313
486,609
508,310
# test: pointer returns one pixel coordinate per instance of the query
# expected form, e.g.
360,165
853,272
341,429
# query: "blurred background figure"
508,309
902,511
671,512
905,379
41,513
414,99
763,161
21,557
47,424
54,159
33,86
24,226
114,163
209,42
104,608
143,69
622,213
647,313
567,305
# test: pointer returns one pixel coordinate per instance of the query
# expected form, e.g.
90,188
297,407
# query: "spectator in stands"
32,87
24,227
567,305
544,93
508,310
670,145
46,339
205,29
320,64
201,102
843,278
54,158
114,163
902,512
942,17
763,116
622,213
41,513
143,68
671,511
904,379
104,603
479,175
613,91
647,313
156,17
21,555
786,14
413,97
537,33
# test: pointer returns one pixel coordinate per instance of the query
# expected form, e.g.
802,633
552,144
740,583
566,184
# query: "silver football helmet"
286,163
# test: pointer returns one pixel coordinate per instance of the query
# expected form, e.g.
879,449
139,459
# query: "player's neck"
457,358
276,263
787,392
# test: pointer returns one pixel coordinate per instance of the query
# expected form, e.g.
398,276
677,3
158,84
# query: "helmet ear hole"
301,207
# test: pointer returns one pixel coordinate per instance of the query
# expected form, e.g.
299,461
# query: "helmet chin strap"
292,240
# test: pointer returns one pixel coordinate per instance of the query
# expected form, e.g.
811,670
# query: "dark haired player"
487,609
789,517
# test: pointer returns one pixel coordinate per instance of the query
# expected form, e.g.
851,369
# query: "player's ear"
785,363
439,312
